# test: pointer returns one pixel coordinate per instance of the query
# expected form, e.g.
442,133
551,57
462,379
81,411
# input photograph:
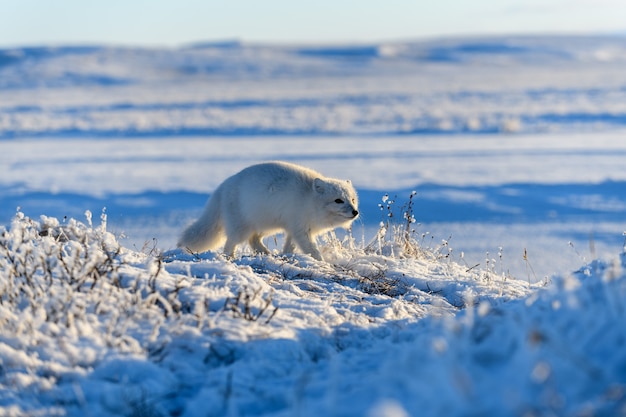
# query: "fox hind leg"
230,246
289,246
257,245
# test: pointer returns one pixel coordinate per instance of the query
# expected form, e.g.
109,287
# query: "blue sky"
171,23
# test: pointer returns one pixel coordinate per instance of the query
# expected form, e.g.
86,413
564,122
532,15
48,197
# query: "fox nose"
355,213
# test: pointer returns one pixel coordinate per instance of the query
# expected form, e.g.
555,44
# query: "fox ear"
319,185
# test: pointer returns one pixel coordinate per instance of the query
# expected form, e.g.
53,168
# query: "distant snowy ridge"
90,327
483,85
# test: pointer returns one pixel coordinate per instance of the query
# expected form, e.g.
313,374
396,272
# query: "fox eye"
339,201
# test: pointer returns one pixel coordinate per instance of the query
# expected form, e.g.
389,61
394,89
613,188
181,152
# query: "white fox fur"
267,198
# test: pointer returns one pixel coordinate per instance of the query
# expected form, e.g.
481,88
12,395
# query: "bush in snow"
89,326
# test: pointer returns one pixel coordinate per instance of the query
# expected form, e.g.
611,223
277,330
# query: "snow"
91,327
505,297
524,191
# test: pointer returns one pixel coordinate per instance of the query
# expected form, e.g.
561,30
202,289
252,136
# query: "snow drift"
91,328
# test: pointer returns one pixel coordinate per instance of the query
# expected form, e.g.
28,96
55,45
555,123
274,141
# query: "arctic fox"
267,198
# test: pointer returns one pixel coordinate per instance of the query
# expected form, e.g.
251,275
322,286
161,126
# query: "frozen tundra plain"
505,297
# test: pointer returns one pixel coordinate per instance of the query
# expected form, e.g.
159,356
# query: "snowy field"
508,298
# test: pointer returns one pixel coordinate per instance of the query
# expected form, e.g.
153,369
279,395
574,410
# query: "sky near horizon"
172,23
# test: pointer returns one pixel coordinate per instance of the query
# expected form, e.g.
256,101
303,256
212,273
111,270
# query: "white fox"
267,198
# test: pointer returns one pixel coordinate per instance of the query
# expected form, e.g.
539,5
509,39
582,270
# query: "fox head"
339,200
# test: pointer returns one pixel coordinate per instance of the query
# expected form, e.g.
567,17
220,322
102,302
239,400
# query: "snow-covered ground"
514,146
